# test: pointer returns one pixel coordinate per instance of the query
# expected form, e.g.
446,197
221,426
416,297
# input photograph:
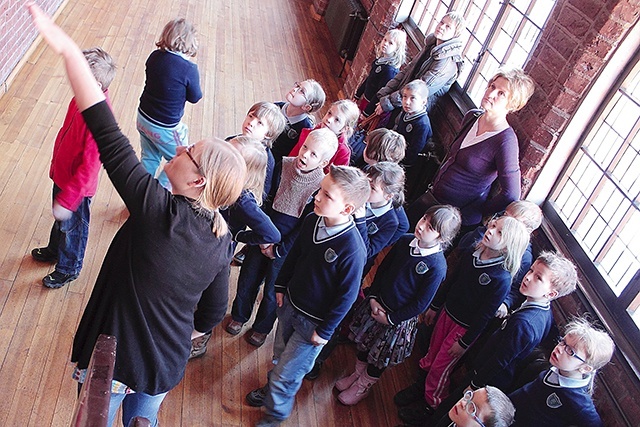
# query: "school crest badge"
409,127
553,401
484,279
292,133
330,255
378,69
372,228
422,267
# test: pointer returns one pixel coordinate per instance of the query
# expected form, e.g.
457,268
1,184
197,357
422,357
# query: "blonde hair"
526,212
390,177
446,220
353,184
224,170
458,20
520,85
597,344
502,410
399,56
351,112
179,35
255,158
102,66
269,113
315,96
417,87
515,238
564,276
385,145
328,141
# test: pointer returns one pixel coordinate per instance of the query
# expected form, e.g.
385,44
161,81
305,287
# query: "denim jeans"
135,405
69,238
159,142
255,269
293,356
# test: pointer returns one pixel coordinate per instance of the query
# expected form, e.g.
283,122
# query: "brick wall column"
381,18
578,40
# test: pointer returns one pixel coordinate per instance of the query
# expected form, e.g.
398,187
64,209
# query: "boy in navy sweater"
551,276
299,178
561,396
413,123
315,289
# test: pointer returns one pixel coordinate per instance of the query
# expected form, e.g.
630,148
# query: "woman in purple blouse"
485,149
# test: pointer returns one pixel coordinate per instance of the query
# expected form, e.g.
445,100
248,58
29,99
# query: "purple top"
464,179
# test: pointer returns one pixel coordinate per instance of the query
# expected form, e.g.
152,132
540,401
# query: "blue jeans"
159,142
69,238
293,356
135,405
255,269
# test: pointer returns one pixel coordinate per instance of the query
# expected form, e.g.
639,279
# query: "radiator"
346,20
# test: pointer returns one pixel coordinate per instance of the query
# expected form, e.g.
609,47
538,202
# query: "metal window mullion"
590,198
615,233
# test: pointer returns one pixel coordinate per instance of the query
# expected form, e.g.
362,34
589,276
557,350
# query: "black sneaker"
57,280
412,394
256,397
44,255
314,372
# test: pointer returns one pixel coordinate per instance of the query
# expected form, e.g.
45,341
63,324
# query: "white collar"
293,119
555,379
378,212
423,251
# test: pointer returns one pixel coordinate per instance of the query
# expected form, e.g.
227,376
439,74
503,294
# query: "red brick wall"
320,6
17,33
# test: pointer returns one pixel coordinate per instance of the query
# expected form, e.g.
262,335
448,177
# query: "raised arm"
84,85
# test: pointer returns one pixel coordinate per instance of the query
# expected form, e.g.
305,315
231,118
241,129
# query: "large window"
597,196
497,32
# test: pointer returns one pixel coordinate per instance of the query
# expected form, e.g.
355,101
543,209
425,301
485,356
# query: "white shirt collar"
555,379
323,231
378,212
423,251
294,119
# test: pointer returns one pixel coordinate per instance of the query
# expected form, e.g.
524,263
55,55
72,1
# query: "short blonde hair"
564,277
526,212
418,87
315,96
255,158
458,20
390,177
385,145
102,66
520,85
271,114
351,112
224,170
328,140
597,344
179,35
399,37
353,184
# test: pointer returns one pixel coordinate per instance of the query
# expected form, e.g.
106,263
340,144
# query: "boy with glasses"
561,396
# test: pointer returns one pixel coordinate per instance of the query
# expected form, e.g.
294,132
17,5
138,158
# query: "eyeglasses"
470,407
571,352
187,150
298,88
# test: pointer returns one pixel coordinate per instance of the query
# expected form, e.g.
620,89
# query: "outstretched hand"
52,34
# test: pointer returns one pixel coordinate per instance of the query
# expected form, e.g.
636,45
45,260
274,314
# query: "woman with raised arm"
174,245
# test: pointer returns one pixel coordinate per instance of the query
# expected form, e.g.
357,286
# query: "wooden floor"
249,51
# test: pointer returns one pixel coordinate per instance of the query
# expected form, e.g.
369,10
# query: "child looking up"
245,212
264,122
467,300
486,407
300,177
561,396
75,166
171,80
390,56
318,284
551,276
413,123
384,324
306,97
341,120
